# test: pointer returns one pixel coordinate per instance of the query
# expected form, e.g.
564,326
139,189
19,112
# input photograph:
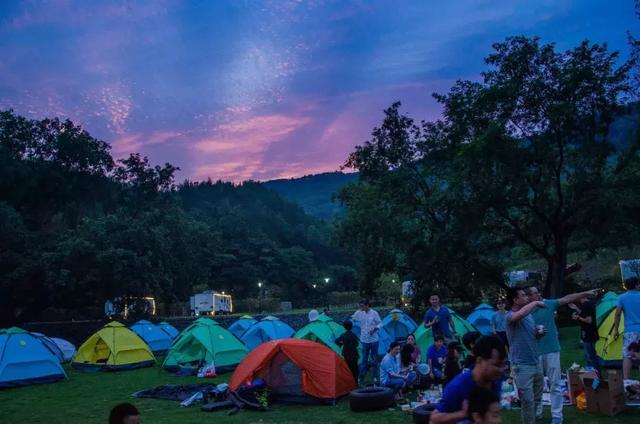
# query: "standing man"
585,314
521,333
439,319
549,345
370,323
629,304
498,321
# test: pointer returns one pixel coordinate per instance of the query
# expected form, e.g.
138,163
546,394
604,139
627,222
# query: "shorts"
629,337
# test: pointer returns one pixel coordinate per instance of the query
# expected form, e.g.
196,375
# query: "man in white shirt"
370,323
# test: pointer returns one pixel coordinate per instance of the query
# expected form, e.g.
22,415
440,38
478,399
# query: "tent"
324,331
336,328
384,339
269,328
480,318
154,336
241,325
398,324
609,301
607,347
299,371
169,329
66,347
26,359
424,336
203,342
113,347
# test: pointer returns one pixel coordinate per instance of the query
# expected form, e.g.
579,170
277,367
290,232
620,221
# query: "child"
436,356
484,407
349,342
452,365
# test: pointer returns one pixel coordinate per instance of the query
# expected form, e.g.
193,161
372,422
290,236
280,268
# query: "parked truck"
211,303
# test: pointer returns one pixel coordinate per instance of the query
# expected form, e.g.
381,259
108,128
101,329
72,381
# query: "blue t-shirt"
458,390
523,346
630,304
438,357
440,328
497,319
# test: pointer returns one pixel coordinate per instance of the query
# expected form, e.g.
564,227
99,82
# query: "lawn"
88,397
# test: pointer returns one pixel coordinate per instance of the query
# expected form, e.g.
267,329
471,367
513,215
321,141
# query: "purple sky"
238,89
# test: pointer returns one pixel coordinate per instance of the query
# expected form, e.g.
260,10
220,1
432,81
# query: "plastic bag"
207,371
581,401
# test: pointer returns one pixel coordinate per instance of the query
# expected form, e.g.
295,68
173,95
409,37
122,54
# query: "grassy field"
88,397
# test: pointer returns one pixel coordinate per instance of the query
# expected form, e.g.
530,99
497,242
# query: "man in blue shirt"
438,318
436,357
490,353
629,304
390,375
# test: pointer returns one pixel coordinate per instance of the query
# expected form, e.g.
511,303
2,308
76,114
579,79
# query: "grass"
88,397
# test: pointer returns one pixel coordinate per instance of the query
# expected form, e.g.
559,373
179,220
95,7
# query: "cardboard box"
608,398
576,386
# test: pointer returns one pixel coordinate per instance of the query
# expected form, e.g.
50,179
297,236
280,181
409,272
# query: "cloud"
134,143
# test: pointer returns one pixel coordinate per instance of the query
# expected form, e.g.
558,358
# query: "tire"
422,414
371,399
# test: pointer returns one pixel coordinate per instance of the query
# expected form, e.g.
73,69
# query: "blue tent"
169,329
26,359
384,339
481,318
399,325
153,335
270,328
241,325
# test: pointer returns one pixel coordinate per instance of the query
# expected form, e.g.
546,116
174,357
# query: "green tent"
609,301
322,331
202,342
607,347
424,336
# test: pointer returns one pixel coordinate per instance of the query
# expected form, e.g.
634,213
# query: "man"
349,342
489,352
390,375
549,345
439,319
124,413
370,323
521,333
436,357
629,304
585,314
497,321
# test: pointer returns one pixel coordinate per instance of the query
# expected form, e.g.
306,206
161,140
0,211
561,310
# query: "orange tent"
292,368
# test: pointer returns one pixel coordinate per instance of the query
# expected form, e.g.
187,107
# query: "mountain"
313,192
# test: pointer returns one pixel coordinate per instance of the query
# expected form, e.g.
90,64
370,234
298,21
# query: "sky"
239,89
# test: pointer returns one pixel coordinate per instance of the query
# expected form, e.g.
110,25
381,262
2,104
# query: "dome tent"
154,336
66,347
296,371
25,359
241,325
113,347
203,342
609,301
424,336
323,330
269,328
398,324
169,329
609,348
480,318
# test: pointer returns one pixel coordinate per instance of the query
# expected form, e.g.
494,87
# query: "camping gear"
203,342
113,347
371,399
177,392
424,336
399,325
154,336
609,348
295,371
269,328
26,359
480,318
241,325
169,329
323,330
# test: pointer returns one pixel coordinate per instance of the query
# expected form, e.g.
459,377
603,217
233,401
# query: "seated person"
390,374
124,413
416,356
452,365
484,407
436,357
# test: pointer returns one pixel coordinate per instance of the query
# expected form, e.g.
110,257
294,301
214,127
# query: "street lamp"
314,286
260,284
326,280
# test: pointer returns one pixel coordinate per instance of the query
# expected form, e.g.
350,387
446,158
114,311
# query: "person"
452,365
416,356
585,314
349,342
439,319
490,353
522,335
370,323
390,374
124,413
629,304
468,341
497,321
549,345
313,315
484,407
436,357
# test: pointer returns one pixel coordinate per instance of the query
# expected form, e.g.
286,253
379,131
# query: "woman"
416,356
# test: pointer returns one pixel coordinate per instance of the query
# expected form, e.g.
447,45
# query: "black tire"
422,414
371,399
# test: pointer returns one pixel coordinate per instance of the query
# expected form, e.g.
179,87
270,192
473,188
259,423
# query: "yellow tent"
609,348
113,347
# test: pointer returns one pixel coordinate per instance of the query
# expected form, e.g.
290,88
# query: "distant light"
260,284
222,292
326,280
314,286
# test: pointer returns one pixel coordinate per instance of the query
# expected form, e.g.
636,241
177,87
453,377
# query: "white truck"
629,268
515,278
211,303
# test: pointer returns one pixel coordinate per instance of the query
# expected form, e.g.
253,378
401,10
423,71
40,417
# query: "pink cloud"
134,143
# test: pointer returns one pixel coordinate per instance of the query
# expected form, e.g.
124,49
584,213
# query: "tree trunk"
556,266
